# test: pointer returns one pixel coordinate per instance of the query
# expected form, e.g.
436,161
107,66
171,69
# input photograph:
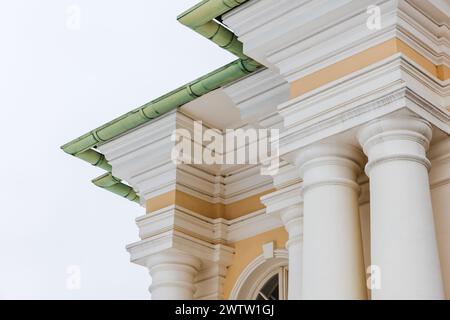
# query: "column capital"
173,257
396,138
173,269
292,218
329,163
179,263
328,152
287,205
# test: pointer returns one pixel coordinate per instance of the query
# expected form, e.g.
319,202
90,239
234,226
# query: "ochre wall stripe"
205,208
342,68
245,206
417,57
443,72
362,60
161,201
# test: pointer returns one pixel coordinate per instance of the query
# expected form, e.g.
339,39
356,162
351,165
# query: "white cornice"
160,226
299,37
390,85
258,95
251,225
282,199
287,175
200,227
339,36
437,11
175,241
426,35
244,184
143,159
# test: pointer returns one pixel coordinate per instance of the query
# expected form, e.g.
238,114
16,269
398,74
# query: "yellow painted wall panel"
211,210
248,250
364,59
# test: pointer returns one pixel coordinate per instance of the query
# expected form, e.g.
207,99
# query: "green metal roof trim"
202,19
114,185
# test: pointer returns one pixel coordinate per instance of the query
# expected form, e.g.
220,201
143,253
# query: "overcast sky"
57,82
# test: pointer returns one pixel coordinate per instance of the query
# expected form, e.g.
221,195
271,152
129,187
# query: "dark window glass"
270,291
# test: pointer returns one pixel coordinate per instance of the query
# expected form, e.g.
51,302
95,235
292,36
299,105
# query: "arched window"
274,287
263,279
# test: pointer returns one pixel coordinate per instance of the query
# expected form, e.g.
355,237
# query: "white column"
440,191
172,275
333,265
402,229
292,218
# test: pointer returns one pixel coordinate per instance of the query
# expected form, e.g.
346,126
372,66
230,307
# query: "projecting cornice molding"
143,159
298,37
258,95
391,85
280,200
181,234
195,225
177,242
287,175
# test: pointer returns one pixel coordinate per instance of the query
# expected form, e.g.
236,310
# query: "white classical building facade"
360,206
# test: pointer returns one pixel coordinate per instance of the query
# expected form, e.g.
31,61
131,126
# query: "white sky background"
55,85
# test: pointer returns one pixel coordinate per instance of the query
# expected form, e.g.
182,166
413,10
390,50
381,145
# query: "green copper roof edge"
205,12
201,19
108,182
151,110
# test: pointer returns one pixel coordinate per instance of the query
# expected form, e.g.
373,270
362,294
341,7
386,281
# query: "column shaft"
333,265
402,228
293,222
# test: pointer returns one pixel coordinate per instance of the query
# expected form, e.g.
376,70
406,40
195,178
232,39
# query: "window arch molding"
256,272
